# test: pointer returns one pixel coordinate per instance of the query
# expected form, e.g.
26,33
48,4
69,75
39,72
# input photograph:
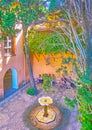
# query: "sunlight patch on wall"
18,37
18,27
7,60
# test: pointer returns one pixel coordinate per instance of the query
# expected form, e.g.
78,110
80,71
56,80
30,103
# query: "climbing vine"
48,43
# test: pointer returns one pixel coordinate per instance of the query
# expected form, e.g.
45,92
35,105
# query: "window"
8,46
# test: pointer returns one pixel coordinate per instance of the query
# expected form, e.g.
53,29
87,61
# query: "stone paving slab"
12,109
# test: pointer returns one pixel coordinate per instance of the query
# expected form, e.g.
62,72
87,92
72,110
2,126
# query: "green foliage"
70,102
85,79
66,61
31,91
84,98
47,82
7,20
30,11
26,15
46,43
84,95
24,11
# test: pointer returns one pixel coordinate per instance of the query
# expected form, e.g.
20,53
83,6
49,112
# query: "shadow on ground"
64,122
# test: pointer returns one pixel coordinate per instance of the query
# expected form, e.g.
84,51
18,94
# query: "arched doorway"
10,82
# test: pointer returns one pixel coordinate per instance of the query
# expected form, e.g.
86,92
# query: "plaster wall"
17,61
49,64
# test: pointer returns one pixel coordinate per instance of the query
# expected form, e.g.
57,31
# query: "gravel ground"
13,110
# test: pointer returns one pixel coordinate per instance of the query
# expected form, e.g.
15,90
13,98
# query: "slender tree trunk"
89,52
88,34
32,81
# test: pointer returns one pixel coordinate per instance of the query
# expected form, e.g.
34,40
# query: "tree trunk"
89,53
88,33
32,81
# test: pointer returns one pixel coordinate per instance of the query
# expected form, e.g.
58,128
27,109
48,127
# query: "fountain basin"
46,125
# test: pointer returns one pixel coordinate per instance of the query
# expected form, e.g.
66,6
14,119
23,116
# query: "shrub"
31,91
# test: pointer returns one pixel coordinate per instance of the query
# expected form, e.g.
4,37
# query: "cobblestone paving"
12,109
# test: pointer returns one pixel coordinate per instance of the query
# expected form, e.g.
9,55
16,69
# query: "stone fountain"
46,116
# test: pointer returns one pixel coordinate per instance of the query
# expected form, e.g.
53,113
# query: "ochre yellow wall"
40,65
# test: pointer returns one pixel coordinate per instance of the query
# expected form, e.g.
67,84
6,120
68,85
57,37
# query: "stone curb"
15,93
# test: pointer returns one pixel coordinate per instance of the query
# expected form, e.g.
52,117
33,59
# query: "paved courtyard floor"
12,109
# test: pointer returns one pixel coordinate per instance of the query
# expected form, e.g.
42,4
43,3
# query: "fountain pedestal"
46,119
45,111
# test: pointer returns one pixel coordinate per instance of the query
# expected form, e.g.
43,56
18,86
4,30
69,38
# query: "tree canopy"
71,30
